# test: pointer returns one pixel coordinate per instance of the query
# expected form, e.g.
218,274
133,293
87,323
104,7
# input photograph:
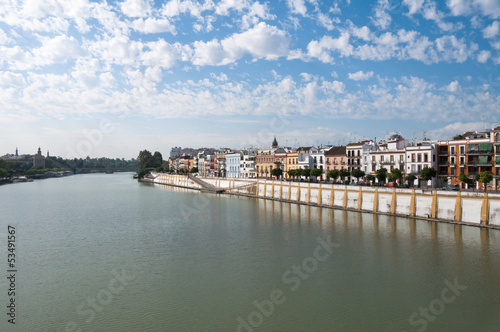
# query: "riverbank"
464,208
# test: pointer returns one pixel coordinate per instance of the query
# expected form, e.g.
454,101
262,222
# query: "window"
452,150
462,161
401,158
412,157
335,161
392,159
452,161
419,168
462,149
426,157
419,158
381,159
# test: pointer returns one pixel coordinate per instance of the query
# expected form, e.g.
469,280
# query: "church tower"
275,143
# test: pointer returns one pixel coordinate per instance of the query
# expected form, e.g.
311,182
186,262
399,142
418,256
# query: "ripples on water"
200,261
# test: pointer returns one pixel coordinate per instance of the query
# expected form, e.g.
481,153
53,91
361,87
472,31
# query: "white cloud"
161,54
453,86
492,30
262,42
414,6
321,49
483,56
153,25
472,7
136,8
360,75
297,6
382,18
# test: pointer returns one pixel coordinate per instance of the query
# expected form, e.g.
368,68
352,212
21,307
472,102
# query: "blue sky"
111,78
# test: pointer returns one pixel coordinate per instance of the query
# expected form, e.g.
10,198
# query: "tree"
193,170
306,172
157,159
357,173
145,159
334,174
410,179
3,173
485,177
396,174
277,172
381,174
344,173
456,137
291,173
464,178
316,172
427,173
370,178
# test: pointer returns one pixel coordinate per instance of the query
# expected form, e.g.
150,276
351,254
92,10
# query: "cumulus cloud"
297,6
322,49
136,8
261,42
492,30
360,75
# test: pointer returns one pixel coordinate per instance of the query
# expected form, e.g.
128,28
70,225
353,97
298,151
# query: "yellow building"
292,162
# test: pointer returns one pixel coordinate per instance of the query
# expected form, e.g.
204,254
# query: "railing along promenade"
468,208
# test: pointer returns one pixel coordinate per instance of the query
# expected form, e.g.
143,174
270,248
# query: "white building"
358,155
233,161
247,165
389,155
420,155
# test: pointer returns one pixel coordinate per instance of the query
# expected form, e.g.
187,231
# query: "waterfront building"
304,157
292,162
39,160
247,164
335,158
471,154
233,161
202,165
280,159
420,155
389,155
318,159
265,160
220,163
358,155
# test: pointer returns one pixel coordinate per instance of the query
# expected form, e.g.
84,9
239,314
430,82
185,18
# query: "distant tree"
193,170
485,177
141,173
357,173
410,179
458,137
334,174
292,173
396,174
370,178
464,178
316,172
277,172
381,174
145,159
444,179
305,172
157,159
428,173
344,173
3,173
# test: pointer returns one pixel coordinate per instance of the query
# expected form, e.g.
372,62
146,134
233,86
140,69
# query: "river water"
103,252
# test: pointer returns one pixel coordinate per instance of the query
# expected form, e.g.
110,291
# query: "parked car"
454,187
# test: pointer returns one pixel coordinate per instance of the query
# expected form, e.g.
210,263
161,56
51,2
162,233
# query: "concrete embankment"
477,209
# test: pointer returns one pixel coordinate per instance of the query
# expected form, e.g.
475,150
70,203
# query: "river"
103,252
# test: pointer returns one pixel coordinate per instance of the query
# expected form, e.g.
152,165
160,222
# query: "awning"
483,160
485,147
473,148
